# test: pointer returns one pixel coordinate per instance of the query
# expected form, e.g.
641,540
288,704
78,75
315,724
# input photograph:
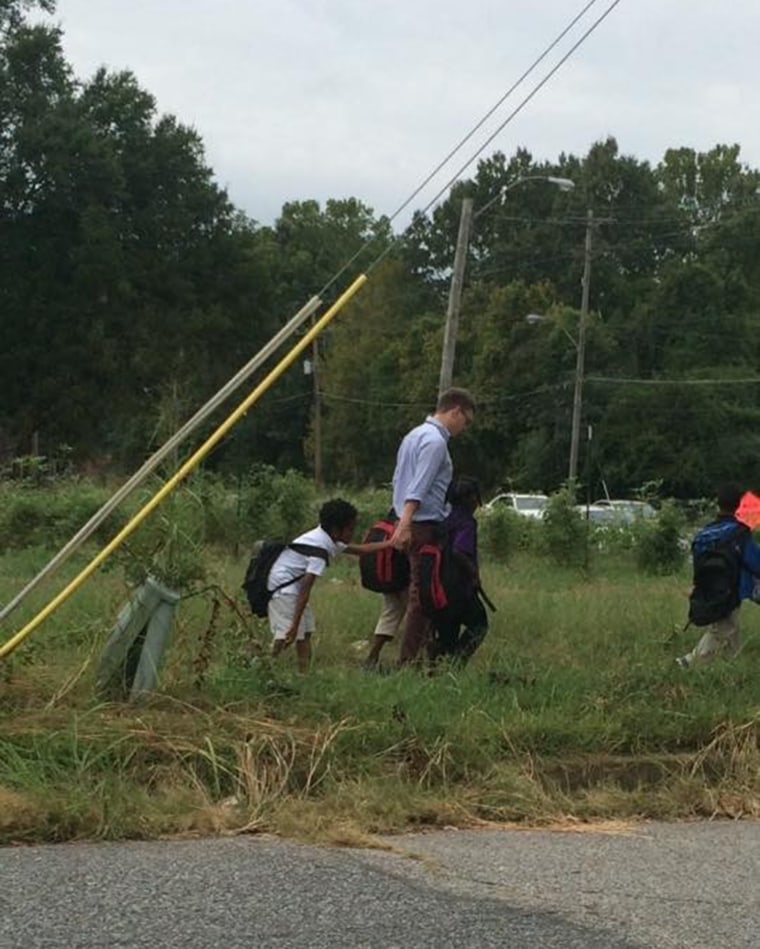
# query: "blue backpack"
717,558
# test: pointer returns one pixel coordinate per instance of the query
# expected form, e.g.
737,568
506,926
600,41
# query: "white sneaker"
683,662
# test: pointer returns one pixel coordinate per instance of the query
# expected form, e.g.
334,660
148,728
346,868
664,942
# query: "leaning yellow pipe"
211,442
158,456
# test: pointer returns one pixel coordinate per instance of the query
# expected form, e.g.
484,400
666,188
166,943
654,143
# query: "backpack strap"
479,591
741,535
715,533
308,550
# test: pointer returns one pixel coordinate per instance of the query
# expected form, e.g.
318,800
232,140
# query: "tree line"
131,289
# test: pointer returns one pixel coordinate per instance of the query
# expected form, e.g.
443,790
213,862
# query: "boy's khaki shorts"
392,614
281,610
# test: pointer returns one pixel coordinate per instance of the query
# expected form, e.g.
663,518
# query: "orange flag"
749,510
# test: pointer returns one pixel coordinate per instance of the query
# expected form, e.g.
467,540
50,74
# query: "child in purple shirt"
460,632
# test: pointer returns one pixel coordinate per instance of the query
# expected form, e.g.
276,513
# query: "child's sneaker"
683,662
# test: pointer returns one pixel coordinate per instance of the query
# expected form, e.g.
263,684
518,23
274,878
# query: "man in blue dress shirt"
422,477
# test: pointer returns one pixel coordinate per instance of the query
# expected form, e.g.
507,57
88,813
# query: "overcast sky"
300,99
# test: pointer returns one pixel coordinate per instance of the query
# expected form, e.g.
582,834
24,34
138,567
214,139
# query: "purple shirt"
463,532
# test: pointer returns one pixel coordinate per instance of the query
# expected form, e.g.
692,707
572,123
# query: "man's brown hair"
454,398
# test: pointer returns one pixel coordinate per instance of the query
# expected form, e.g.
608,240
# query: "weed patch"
572,710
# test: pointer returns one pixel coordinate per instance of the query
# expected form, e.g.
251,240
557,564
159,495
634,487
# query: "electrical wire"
470,134
516,111
492,110
482,403
621,380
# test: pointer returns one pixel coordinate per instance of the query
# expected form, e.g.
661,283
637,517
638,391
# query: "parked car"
599,515
526,505
626,511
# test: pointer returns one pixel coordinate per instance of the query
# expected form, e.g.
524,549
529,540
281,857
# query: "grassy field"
573,709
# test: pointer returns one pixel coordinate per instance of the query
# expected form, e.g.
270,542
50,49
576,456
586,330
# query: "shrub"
276,505
614,538
660,547
21,520
564,531
169,544
49,517
504,531
222,505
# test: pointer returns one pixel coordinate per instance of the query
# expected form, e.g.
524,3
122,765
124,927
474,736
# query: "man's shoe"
683,662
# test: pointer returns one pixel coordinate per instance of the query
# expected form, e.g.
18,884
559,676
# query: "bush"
49,517
504,531
615,538
277,505
21,521
660,548
564,531
222,505
169,544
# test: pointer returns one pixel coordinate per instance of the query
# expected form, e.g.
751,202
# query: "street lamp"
534,318
564,184
460,257
580,350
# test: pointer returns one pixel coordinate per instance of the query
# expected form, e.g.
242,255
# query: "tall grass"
573,705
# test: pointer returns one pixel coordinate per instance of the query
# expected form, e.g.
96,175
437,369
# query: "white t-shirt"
291,565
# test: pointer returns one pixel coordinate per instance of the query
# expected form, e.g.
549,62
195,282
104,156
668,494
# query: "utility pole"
581,353
455,297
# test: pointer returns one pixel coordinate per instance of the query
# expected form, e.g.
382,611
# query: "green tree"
124,269
311,249
377,376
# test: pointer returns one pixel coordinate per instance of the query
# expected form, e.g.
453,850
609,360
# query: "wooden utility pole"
581,353
455,297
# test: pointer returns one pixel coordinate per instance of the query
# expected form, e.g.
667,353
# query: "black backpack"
384,571
717,557
260,566
442,581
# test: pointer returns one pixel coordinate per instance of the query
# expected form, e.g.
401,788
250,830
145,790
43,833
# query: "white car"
599,515
526,505
625,511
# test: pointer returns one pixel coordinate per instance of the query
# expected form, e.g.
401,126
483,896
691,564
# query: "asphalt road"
684,885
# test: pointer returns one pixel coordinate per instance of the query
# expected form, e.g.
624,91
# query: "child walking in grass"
726,563
297,569
460,629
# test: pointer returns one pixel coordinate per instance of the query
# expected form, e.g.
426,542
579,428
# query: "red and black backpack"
385,571
442,580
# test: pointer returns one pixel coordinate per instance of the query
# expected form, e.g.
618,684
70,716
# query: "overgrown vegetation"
573,707
113,227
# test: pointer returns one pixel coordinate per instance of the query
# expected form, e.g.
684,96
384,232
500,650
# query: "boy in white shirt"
295,572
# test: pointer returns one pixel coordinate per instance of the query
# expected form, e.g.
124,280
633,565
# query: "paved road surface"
691,886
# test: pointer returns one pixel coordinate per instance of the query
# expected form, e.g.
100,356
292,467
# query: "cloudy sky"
300,99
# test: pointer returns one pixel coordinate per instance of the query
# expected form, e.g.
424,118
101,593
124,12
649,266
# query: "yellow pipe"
211,442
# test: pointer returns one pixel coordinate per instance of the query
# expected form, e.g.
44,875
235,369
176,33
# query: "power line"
482,403
728,380
536,89
475,128
481,122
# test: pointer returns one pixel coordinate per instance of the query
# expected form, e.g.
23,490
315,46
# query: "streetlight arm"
564,184
534,318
